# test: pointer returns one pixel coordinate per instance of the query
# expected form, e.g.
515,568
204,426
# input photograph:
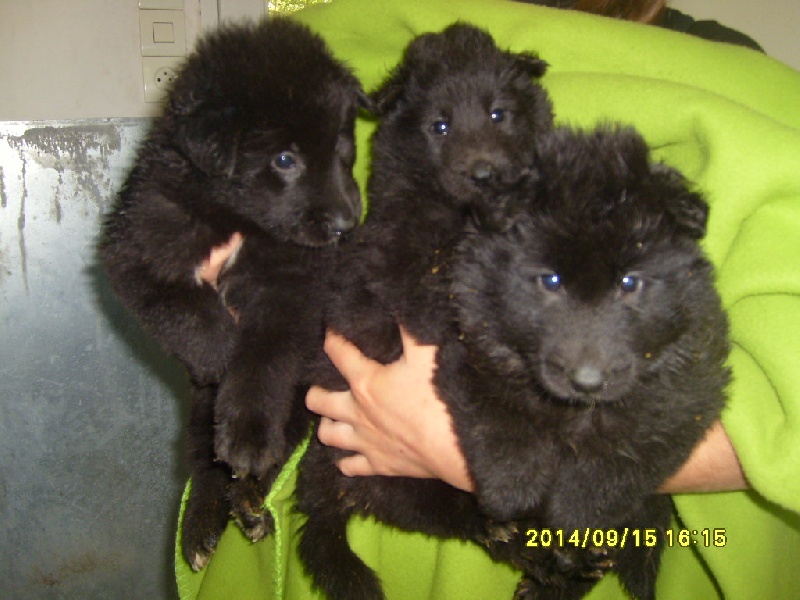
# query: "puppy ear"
691,213
385,99
687,207
424,51
365,102
530,64
208,135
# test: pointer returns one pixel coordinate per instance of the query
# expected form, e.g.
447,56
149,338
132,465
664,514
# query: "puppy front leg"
260,417
253,408
509,460
185,315
598,492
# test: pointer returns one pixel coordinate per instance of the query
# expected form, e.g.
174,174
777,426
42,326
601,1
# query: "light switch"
163,32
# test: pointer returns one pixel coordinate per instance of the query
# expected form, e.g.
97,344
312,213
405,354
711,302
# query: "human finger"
334,405
208,271
356,465
337,434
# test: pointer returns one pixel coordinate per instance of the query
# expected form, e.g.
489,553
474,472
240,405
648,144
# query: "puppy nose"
587,378
341,223
481,171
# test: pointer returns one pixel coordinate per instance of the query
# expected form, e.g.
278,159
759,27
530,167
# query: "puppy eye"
441,127
498,115
630,284
284,161
550,282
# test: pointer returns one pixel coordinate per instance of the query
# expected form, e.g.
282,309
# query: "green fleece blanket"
729,118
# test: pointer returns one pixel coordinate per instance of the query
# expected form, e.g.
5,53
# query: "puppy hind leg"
637,566
638,569
551,572
207,509
530,589
332,565
206,516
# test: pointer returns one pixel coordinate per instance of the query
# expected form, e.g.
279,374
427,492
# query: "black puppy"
592,358
458,116
256,137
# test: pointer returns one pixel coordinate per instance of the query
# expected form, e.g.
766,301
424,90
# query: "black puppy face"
479,145
268,117
593,288
469,111
301,170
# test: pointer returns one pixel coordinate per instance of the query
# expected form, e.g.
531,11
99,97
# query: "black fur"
572,398
256,137
593,348
458,117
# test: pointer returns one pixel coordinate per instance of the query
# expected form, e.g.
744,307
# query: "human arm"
395,423
713,466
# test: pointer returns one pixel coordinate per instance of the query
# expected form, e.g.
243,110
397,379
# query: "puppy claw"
200,560
525,589
254,526
501,532
248,508
596,574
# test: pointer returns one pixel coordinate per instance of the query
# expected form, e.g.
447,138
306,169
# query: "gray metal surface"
91,411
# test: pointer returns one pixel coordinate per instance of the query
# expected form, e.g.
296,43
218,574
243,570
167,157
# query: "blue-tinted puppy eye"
498,115
551,282
284,161
630,284
441,127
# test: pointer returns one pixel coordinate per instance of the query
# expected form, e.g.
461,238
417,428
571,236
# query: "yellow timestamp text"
620,538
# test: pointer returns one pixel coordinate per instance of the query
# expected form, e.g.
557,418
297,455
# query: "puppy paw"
531,589
500,531
526,590
591,563
248,447
201,530
248,509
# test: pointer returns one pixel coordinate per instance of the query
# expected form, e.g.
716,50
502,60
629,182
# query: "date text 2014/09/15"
612,538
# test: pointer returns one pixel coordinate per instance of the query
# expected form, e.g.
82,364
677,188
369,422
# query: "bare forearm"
396,425
712,467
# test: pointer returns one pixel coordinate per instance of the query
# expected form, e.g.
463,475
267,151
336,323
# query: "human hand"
391,417
208,271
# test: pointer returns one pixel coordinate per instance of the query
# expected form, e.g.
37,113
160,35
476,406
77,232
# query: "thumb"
346,357
421,355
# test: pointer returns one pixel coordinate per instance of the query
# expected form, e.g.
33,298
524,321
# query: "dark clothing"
710,30
678,21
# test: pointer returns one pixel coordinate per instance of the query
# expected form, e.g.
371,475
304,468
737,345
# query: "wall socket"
162,32
159,72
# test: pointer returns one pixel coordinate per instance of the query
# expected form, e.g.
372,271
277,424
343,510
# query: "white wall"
774,24
71,59
76,59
